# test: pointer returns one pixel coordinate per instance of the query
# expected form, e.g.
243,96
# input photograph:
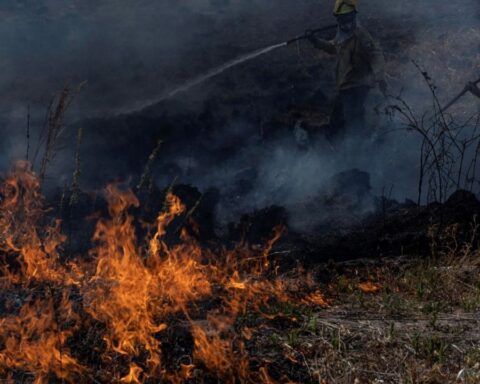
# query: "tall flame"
129,296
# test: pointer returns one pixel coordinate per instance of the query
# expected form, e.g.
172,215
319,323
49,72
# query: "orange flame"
34,341
369,287
132,289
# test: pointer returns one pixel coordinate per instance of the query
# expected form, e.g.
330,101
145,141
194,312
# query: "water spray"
239,60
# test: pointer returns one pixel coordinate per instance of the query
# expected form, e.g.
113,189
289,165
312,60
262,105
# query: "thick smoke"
127,52
130,54
295,172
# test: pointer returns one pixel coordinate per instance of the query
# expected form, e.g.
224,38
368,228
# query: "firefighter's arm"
321,44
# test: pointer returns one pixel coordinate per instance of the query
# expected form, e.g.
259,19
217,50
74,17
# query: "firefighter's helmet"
343,7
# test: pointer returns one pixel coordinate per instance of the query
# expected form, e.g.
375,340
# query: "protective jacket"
360,60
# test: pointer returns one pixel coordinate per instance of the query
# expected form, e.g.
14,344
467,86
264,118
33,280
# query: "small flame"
133,376
316,298
369,287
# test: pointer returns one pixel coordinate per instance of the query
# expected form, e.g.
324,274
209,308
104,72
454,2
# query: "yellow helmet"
343,7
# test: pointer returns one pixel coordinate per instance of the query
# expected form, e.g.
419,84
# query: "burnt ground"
391,229
399,229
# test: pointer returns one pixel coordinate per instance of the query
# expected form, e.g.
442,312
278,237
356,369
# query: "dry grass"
422,326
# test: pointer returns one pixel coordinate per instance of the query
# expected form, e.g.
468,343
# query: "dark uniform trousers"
348,113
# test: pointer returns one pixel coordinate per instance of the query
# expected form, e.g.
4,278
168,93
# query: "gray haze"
130,52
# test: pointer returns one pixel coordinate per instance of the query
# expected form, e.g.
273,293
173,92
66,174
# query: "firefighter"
360,67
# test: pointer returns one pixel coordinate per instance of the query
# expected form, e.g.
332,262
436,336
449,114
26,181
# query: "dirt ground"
391,321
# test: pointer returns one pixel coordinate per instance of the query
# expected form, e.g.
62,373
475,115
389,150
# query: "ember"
369,287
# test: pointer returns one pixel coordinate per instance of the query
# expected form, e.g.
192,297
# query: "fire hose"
312,32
